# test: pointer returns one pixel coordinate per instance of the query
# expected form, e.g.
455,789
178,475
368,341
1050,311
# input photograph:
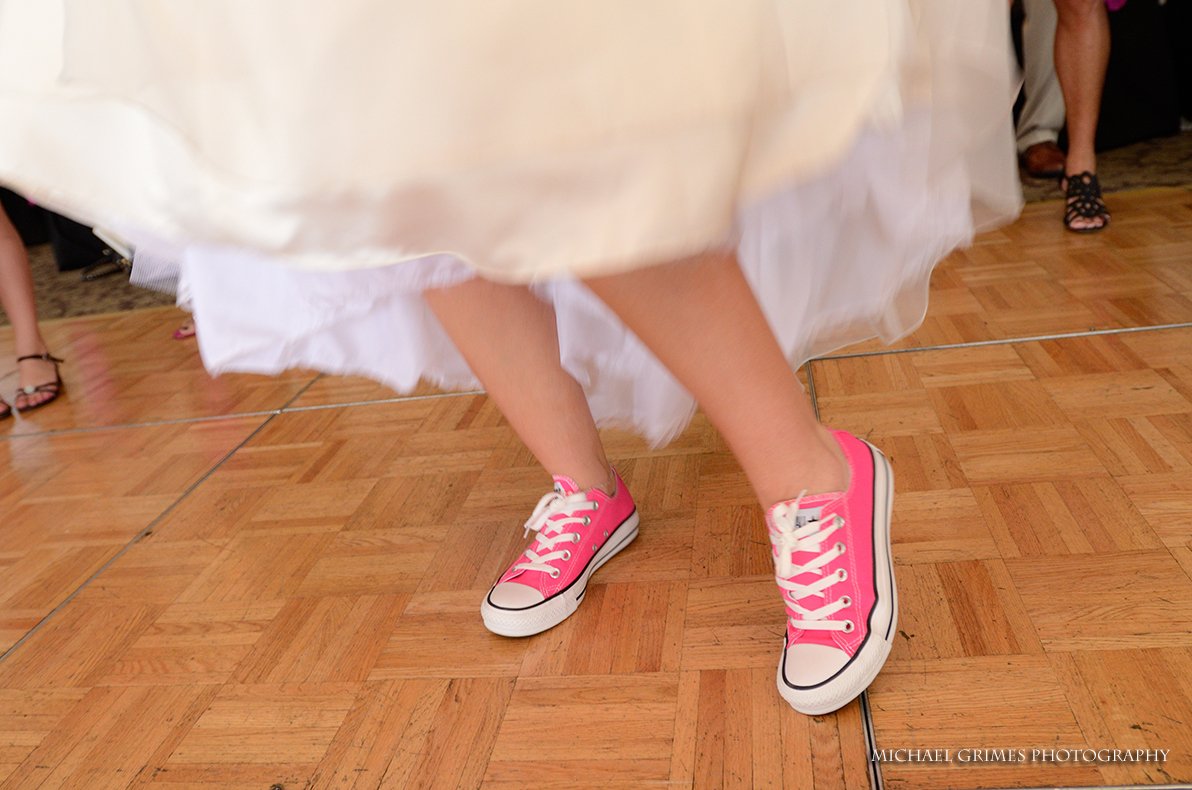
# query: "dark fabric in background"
75,246
1147,83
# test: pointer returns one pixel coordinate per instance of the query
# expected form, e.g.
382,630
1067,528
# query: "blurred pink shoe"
578,531
832,561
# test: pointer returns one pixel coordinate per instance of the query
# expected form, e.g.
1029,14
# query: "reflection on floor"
245,581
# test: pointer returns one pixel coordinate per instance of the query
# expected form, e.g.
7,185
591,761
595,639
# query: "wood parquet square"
243,581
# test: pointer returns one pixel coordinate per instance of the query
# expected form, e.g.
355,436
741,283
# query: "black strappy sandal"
54,387
1084,201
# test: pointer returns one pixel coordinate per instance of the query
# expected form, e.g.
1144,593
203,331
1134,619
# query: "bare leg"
700,318
16,297
1081,57
510,341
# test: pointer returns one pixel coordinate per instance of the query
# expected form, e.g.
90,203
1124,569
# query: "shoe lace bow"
808,539
553,513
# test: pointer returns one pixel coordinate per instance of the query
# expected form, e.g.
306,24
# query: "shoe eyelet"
840,548
849,627
595,547
842,574
587,521
595,505
555,573
606,533
846,601
575,538
566,555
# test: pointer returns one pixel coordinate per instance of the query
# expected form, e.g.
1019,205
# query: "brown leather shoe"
1043,160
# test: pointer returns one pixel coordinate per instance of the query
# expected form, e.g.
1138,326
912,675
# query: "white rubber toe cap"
511,595
810,665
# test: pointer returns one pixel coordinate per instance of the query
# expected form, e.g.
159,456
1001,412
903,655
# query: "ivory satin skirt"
304,170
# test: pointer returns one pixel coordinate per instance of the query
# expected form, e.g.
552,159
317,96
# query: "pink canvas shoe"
832,561
578,531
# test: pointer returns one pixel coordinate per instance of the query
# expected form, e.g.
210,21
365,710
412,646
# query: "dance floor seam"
270,413
149,528
470,393
1007,341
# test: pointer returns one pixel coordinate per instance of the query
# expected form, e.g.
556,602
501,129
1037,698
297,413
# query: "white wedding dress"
304,170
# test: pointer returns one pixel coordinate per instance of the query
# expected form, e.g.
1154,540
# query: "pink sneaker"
578,531
832,561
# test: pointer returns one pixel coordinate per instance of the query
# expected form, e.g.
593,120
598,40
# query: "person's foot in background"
1043,160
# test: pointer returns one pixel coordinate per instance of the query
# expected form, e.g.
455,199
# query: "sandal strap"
49,386
48,357
1087,207
54,386
1084,197
1082,183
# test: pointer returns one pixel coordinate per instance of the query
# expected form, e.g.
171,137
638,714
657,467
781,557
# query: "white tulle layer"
836,260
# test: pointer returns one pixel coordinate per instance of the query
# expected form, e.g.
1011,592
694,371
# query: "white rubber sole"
834,694
536,619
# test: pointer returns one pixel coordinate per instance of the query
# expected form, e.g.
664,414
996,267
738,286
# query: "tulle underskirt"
839,259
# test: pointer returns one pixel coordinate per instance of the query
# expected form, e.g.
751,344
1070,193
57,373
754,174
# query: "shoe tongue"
565,485
807,514
815,503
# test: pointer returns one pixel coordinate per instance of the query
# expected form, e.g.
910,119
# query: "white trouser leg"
1043,113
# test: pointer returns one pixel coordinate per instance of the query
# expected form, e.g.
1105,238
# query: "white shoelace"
808,539
554,512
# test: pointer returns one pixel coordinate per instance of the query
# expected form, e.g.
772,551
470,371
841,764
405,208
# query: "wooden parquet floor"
247,582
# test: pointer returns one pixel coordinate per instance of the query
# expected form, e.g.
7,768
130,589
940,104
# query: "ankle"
1076,165
824,471
37,350
608,485
605,481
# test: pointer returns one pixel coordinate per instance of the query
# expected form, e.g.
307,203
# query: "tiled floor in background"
241,590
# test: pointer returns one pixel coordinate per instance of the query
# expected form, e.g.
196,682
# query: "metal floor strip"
270,413
1010,341
150,424
811,390
875,768
401,399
